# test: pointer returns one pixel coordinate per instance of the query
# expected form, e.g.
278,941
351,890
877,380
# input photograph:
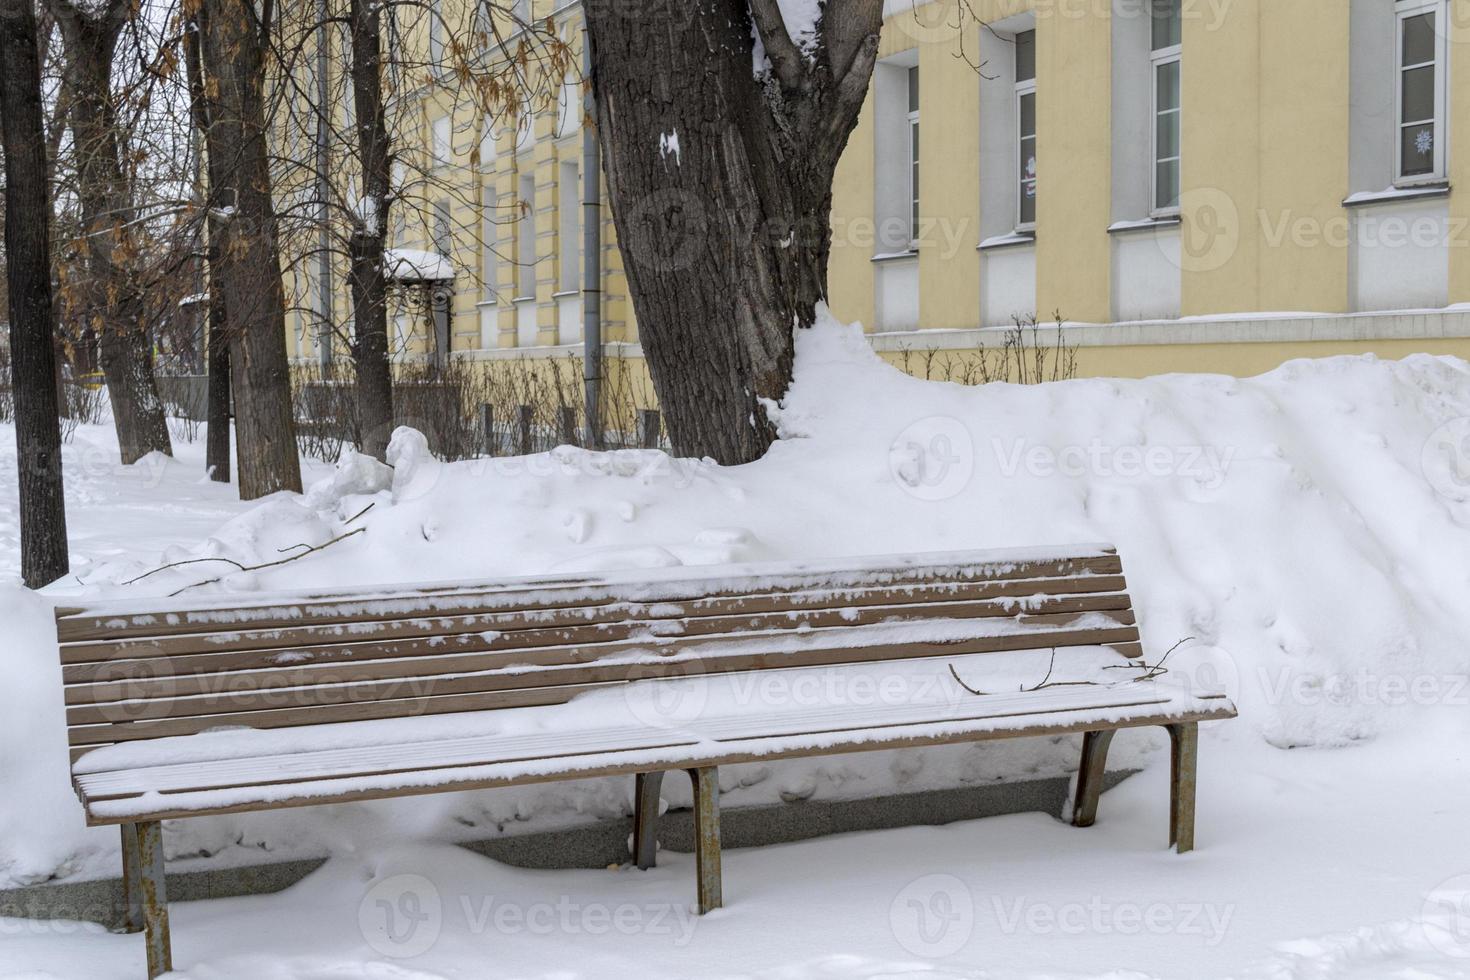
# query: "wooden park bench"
180,708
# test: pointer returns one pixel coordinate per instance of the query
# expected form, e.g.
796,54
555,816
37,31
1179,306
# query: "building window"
436,34
443,234
526,239
913,136
489,238
1421,91
569,107
525,128
1166,47
569,249
488,148
443,141
1026,126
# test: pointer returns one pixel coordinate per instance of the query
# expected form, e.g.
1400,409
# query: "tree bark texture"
367,280
43,552
107,298
720,179
248,249
217,455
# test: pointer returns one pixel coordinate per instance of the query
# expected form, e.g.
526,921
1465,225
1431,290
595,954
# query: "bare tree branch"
787,60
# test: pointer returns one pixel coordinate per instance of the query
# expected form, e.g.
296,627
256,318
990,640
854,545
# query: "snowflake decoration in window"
1424,142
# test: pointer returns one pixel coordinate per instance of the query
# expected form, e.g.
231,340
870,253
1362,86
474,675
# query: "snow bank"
1303,533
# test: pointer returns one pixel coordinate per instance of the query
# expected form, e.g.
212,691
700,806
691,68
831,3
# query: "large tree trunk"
43,555
108,298
248,251
721,190
217,343
368,283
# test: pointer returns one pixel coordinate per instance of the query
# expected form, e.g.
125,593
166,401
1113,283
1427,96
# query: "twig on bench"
310,549
1150,671
1045,681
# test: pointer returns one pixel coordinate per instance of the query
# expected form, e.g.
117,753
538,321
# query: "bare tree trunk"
721,189
368,282
217,411
109,299
249,263
43,554
217,456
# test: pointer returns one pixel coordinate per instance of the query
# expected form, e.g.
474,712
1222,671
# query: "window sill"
481,304
1401,192
1008,241
895,256
523,299
1145,224
565,293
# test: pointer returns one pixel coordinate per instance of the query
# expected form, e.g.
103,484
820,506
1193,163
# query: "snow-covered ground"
1308,530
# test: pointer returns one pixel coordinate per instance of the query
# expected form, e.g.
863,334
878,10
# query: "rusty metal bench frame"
161,656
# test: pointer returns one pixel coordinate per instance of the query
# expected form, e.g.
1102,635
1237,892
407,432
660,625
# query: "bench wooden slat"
200,674
499,672
89,624
77,656
491,749
423,781
84,736
444,702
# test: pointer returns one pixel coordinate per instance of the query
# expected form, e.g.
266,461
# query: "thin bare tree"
28,274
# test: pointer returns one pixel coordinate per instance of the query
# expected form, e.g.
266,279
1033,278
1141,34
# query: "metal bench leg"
1184,742
151,894
1090,777
132,912
707,837
646,787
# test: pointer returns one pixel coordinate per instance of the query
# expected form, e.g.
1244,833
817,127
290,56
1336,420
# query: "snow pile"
1302,533
416,264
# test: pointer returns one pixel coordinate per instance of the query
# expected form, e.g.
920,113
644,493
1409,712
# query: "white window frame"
913,138
1404,10
1023,89
489,242
436,35
1158,59
489,143
441,141
525,284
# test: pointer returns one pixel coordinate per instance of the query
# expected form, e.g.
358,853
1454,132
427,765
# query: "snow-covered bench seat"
187,707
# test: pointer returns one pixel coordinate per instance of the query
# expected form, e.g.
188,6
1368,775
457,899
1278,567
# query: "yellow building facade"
1190,185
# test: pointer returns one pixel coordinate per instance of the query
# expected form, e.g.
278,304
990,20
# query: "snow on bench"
186,708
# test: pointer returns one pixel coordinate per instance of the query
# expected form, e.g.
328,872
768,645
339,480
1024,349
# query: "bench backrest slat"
132,674
75,624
